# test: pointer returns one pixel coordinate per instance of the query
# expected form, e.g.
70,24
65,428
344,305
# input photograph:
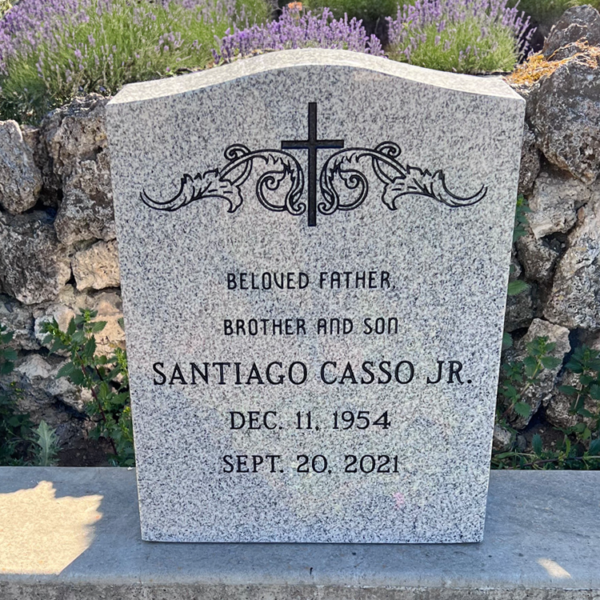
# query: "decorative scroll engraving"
399,180
226,183
281,173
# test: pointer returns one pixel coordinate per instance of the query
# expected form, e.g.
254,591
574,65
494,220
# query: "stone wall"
58,251
559,256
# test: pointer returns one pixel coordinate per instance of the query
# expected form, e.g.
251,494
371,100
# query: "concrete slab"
70,533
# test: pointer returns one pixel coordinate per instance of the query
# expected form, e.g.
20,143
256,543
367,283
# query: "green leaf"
594,448
98,326
66,370
72,328
78,337
49,326
122,398
113,374
595,391
77,377
536,444
517,287
568,390
10,355
510,454
586,379
47,443
574,366
509,391
522,409
531,366
507,340
519,232
57,345
550,362
6,368
90,348
15,421
104,390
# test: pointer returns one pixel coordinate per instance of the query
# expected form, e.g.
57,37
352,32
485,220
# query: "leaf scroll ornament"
423,183
399,180
208,185
226,183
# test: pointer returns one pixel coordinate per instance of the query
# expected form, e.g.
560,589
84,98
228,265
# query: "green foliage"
585,363
45,445
5,6
366,10
105,376
516,287
127,42
521,223
580,444
7,356
20,443
15,427
548,11
507,341
564,455
518,376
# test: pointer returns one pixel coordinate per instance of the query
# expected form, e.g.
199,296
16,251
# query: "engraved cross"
313,145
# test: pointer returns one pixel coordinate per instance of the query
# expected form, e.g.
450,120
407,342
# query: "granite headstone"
314,250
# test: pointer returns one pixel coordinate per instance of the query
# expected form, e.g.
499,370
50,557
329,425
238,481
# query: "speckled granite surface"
314,232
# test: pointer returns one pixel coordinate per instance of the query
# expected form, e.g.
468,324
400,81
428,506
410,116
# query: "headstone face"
314,252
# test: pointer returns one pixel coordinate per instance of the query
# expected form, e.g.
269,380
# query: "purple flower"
32,23
298,30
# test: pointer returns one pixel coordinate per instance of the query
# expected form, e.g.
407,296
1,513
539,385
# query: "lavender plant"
298,29
465,36
52,51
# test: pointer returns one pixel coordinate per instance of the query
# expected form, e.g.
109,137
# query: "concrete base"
69,534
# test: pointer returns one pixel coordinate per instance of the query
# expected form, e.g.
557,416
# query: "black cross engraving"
312,144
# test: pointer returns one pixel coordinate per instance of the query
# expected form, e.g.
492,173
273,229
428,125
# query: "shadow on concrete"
83,525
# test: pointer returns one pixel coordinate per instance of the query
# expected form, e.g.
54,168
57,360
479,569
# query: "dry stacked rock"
560,255
58,251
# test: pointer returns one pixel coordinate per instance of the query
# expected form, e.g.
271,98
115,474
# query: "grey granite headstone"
314,251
